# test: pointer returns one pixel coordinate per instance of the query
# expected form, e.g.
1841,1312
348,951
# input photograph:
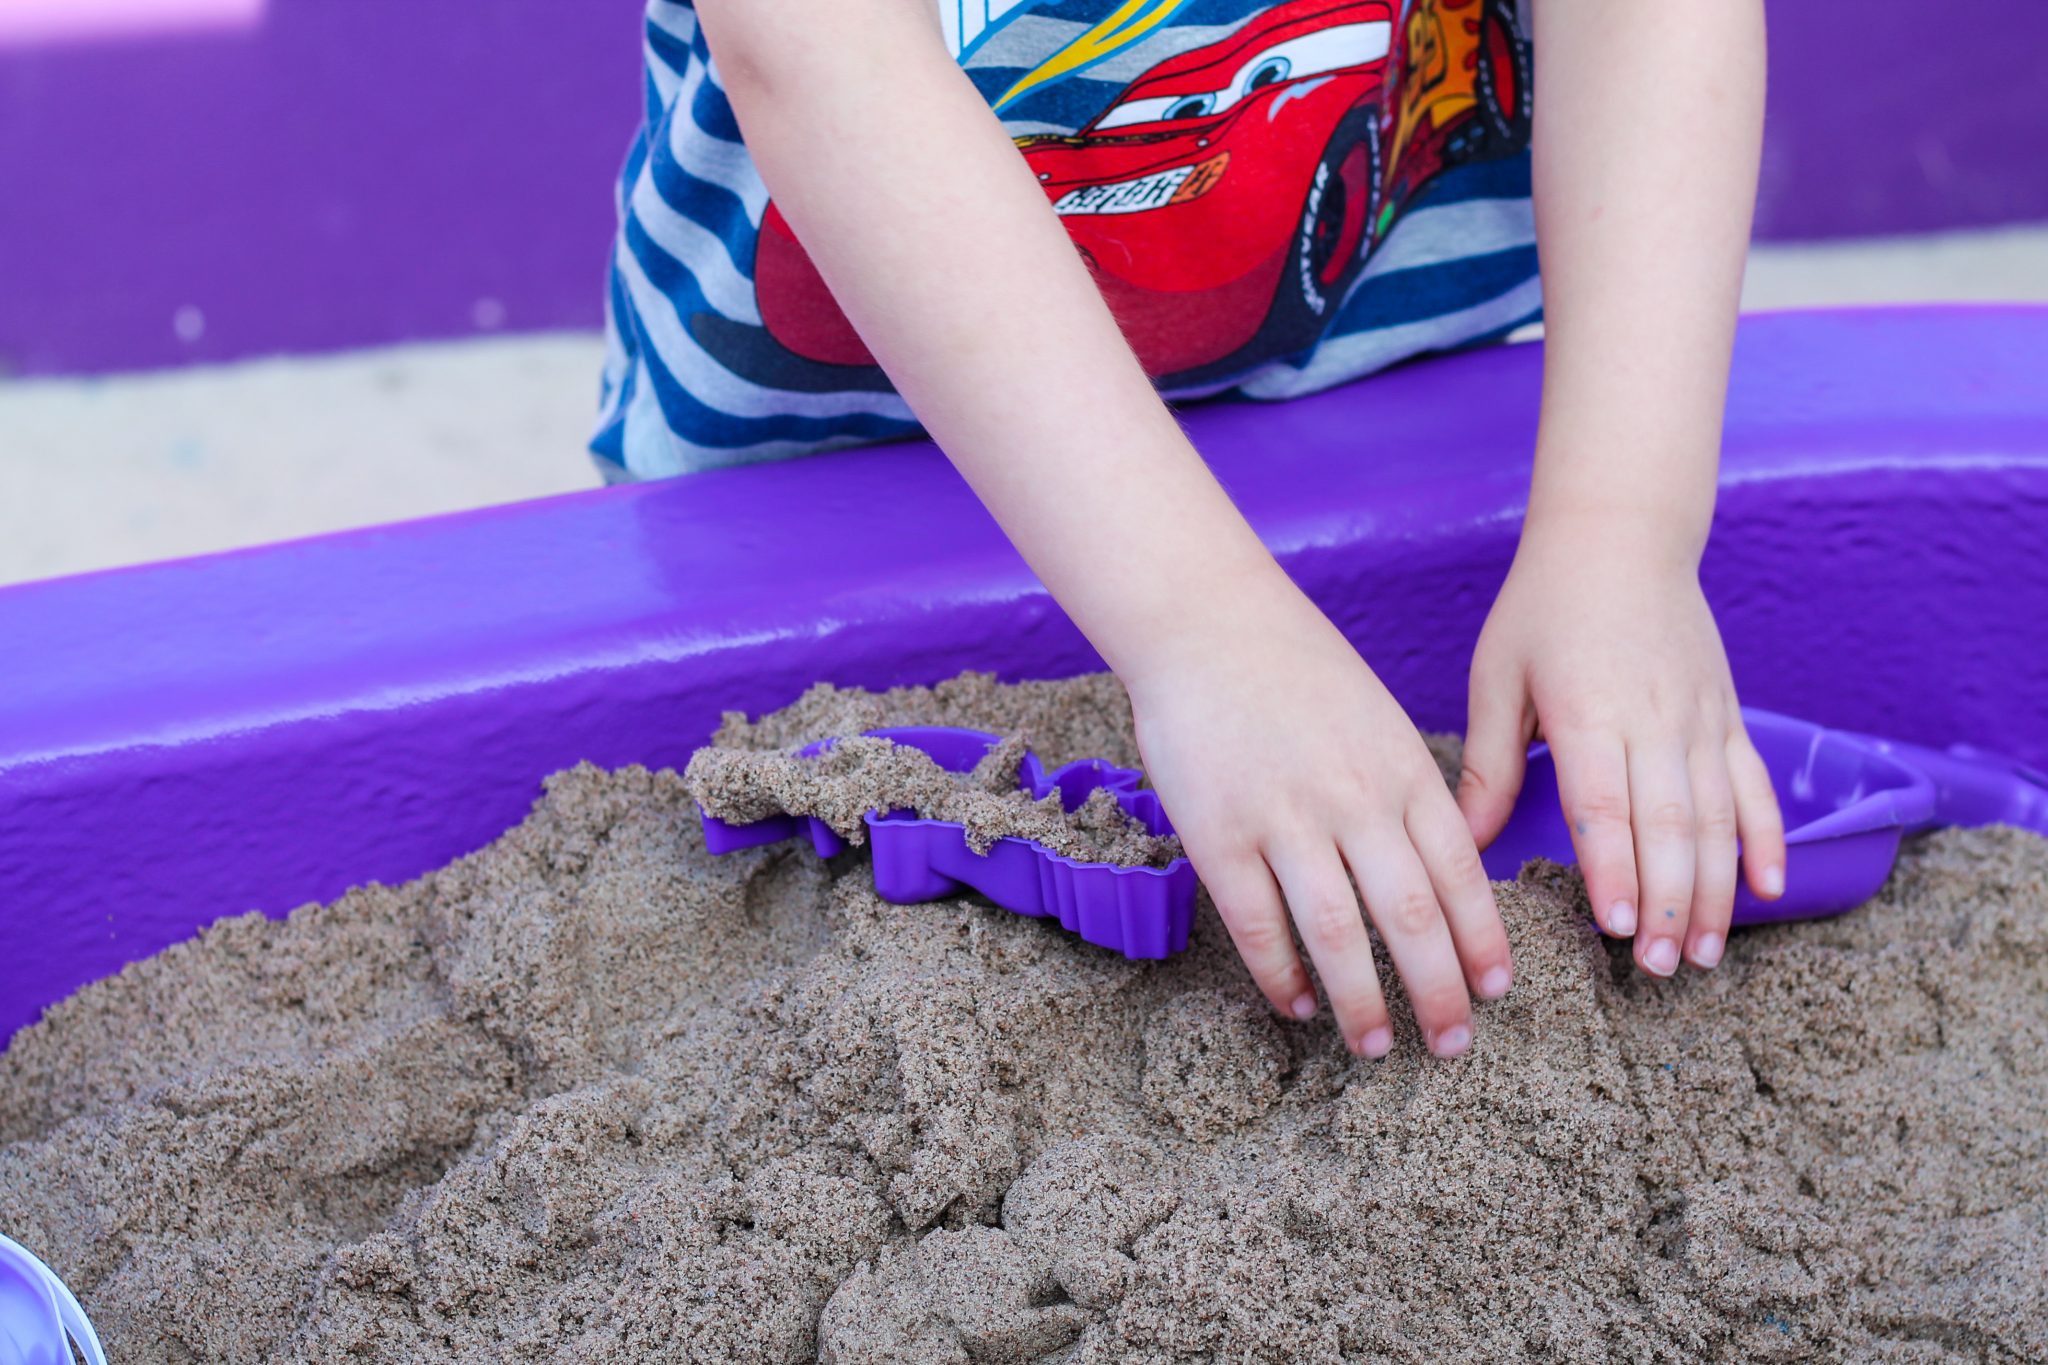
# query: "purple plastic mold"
1848,801
41,1320
1141,912
1847,804
1973,786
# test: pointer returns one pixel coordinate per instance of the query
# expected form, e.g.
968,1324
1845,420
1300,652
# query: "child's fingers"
1592,788
1404,908
1249,902
1463,891
1496,752
1660,806
1325,909
1757,816
1715,857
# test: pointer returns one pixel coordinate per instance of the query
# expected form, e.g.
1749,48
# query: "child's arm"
1280,757
1648,122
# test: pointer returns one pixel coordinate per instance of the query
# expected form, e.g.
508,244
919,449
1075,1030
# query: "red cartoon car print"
1229,198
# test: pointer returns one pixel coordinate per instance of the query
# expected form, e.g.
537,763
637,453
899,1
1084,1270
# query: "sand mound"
593,1095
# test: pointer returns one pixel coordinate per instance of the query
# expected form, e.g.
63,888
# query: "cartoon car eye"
1310,54
1268,72
1317,54
1158,109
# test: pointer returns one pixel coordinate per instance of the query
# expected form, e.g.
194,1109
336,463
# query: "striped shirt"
1273,198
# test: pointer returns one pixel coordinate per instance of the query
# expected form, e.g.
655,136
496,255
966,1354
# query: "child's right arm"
1280,757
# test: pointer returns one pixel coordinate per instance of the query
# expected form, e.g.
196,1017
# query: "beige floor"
119,470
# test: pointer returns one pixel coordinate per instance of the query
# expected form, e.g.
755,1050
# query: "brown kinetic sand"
738,781
593,1095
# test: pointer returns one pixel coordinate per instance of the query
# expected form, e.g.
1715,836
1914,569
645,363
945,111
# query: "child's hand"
1282,762
1612,653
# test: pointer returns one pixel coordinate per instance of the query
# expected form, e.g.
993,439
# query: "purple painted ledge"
265,728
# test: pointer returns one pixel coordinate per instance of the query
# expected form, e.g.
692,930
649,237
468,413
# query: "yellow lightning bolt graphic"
1129,22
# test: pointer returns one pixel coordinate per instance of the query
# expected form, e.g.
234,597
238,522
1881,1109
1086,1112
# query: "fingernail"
1771,882
1707,951
1495,983
1377,1042
1661,957
1304,1006
1621,920
1451,1041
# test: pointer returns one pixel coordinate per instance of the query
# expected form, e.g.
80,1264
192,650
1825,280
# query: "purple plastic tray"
1847,804
1973,786
1141,912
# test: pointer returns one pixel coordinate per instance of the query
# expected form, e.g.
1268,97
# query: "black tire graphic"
1506,95
1339,219
1335,233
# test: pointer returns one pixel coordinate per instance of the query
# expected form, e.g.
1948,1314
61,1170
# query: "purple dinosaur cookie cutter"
1141,912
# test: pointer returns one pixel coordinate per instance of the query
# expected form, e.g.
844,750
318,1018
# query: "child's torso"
1271,197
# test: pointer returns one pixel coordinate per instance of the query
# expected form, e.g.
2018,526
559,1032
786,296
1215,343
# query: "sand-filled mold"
859,774
592,1095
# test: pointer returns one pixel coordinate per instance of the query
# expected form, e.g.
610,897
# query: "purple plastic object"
1141,912
1974,787
1846,804
40,1318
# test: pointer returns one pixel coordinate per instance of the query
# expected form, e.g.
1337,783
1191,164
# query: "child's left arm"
1648,124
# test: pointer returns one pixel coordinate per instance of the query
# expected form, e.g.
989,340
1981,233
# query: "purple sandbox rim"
267,728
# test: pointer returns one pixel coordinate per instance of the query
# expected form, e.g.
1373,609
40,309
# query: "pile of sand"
593,1095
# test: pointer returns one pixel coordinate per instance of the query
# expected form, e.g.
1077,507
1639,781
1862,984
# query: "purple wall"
1904,116
347,172
353,172
264,728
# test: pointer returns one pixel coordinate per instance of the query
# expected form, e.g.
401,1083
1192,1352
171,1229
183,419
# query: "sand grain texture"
591,1095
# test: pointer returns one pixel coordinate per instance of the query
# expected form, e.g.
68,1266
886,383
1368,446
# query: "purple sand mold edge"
269,727
29,1322
39,1314
1847,805
1141,912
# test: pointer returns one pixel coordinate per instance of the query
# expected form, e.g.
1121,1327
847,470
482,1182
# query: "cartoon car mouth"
1174,185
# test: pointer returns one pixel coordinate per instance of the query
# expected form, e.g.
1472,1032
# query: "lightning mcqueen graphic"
1230,197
